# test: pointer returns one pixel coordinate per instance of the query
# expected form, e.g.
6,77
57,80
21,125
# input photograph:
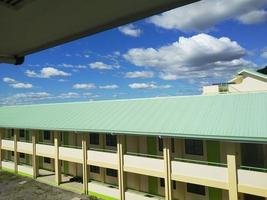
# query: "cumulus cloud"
109,87
46,72
130,30
84,86
9,80
197,56
102,66
264,53
205,14
15,84
253,17
139,74
150,85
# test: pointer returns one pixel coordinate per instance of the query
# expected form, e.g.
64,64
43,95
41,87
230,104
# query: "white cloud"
84,86
264,53
15,84
46,72
72,66
199,56
69,95
109,87
205,14
130,30
139,74
22,85
253,17
150,85
9,80
102,66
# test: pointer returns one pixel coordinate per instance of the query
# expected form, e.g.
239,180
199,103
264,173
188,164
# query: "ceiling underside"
28,26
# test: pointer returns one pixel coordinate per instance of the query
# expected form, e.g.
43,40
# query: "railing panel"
45,150
24,147
103,159
71,154
200,173
144,165
25,169
252,179
8,145
8,165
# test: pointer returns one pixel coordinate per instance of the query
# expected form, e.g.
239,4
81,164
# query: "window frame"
191,148
94,139
45,134
196,189
112,173
94,169
111,140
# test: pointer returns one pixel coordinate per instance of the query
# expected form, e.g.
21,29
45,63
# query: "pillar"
167,167
57,161
16,157
35,162
121,177
1,133
232,173
85,166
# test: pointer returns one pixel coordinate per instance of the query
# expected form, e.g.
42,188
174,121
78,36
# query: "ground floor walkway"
98,189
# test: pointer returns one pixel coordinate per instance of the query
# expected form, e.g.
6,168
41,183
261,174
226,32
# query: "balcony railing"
71,146
200,162
144,155
103,150
258,169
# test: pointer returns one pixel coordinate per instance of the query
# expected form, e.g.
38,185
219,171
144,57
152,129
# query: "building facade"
207,147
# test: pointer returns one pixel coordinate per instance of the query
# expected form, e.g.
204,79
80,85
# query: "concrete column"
167,164
57,161
35,162
232,173
121,177
16,157
1,133
85,166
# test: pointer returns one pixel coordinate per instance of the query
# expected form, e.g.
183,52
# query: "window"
111,140
173,145
94,169
194,147
112,172
22,155
47,135
162,182
94,138
21,133
12,153
196,189
47,160
160,144
174,185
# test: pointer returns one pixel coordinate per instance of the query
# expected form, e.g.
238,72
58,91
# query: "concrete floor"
48,177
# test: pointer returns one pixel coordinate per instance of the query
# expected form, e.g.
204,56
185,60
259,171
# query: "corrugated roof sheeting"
225,116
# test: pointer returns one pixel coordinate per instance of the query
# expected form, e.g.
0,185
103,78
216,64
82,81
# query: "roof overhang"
28,26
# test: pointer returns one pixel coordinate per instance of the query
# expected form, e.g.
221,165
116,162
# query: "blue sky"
174,53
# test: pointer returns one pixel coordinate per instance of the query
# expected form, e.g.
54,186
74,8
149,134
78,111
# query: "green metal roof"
224,116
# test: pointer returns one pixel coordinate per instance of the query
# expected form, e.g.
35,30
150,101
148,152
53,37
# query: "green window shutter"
65,138
213,155
66,167
152,145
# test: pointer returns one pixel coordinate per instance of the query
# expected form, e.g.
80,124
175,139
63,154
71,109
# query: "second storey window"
160,144
47,135
112,172
94,138
194,147
21,133
111,140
